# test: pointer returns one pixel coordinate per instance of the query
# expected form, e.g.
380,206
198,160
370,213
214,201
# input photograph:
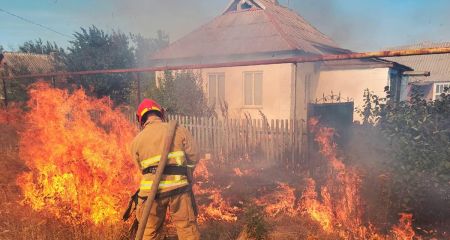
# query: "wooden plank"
217,145
292,145
265,136
245,136
202,133
254,140
233,138
227,136
282,146
210,135
286,142
271,140
237,143
278,141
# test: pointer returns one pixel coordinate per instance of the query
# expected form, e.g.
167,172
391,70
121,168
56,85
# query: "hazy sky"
358,25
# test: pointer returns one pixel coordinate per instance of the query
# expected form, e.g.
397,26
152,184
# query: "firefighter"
175,192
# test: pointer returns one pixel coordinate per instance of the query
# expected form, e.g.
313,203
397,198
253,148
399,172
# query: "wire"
35,23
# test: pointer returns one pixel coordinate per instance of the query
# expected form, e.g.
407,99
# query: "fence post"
5,92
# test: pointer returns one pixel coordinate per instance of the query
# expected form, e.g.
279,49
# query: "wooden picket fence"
279,140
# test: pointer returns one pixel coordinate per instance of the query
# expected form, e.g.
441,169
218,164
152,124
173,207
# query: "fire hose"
158,175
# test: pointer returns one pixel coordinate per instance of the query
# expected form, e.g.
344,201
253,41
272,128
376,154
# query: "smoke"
176,17
374,25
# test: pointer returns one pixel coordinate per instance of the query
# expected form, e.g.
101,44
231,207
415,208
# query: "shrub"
418,132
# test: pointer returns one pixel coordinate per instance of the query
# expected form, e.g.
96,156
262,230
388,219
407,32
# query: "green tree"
40,47
48,48
145,47
418,132
94,49
182,93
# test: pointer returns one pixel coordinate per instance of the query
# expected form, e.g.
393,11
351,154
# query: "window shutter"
212,88
248,91
221,87
258,78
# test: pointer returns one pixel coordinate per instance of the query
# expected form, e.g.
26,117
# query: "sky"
359,25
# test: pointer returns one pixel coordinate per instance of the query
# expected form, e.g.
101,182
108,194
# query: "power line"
35,23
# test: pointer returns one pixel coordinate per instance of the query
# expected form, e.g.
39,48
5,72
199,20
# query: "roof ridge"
419,44
27,54
302,19
279,29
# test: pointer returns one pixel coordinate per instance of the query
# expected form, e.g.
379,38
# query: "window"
216,88
253,88
245,5
440,88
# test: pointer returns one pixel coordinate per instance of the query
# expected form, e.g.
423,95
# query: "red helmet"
148,105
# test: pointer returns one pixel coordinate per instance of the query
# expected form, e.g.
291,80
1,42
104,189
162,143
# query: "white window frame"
253,105
441,86
216,101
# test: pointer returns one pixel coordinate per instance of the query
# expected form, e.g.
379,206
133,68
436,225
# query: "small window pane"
258,88
212,89
221,86
248,82
437,88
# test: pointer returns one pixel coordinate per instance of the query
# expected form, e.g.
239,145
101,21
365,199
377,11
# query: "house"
14,63
432,72
254,30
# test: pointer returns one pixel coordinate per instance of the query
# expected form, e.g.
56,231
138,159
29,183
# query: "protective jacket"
146,149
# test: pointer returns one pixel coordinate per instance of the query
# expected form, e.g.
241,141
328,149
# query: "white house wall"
352,83
306,79
276,90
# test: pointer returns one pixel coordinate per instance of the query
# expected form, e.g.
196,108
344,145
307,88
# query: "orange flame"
322,213
216,208
340,209
403,230
282,200
76,148
12,116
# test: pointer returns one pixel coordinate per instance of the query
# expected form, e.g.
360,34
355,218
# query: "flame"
403,230
282,200
80,171
243,172
76,148
215,208
12,116
340,209
322,213
238,172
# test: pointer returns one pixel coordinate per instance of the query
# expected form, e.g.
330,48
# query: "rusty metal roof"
27,63
437,64
265,28
363,64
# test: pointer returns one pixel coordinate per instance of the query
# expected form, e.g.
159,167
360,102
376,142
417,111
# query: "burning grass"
75,177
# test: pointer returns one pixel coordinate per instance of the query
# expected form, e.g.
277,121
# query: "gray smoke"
176,17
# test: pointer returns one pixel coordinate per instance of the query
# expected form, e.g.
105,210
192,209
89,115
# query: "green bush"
418,132
181,92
